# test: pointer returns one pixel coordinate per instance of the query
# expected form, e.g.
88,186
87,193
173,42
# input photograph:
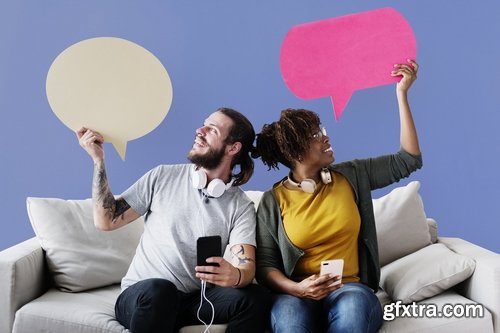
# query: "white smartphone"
334,267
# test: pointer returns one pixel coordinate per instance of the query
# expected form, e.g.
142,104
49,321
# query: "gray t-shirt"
176,214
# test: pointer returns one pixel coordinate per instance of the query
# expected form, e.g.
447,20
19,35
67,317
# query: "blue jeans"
155,305
352,308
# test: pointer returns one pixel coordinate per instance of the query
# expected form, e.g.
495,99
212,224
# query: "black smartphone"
206,247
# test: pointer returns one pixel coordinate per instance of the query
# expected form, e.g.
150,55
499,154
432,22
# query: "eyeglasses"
320,134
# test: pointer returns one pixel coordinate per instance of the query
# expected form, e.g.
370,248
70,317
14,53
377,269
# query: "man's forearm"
107,210
245,263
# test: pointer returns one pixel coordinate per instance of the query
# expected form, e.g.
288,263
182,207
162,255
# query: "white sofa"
65,279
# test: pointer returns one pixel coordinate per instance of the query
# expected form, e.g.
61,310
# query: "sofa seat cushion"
91,311
61,312
220,328
437,325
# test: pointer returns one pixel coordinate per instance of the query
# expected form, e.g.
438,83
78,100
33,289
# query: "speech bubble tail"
339,102
121,148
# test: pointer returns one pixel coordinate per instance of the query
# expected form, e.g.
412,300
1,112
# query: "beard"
210,160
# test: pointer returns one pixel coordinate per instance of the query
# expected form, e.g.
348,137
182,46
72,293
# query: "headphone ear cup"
216,188
199,179
326,176
308,185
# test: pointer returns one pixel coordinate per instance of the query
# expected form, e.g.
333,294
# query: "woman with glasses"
323,211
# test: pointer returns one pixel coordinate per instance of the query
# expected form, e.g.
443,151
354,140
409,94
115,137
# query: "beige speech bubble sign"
109,85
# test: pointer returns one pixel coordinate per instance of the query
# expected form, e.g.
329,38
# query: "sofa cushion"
89,311
215,328
401,223
80,256
61,312
425,273
432,224
255,196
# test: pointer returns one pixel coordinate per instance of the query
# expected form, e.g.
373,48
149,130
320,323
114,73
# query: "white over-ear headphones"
215,188
309,185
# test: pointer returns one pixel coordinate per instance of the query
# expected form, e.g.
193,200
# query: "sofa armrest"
22,279
484,285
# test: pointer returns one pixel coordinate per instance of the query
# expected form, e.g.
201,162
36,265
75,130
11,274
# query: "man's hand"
317,287
224,275
92,142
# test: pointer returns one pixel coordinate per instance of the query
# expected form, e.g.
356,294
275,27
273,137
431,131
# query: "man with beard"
161,290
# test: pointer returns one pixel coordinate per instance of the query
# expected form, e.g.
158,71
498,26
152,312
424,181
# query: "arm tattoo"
102,195
120,207
239,253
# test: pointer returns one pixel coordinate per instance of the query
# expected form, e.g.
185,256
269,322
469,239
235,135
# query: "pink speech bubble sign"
338,56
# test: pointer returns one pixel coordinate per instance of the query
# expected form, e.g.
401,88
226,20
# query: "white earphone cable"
204,297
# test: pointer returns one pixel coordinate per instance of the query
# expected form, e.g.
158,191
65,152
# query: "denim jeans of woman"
155,305
351,308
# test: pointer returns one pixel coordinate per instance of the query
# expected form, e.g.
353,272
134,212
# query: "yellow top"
325,225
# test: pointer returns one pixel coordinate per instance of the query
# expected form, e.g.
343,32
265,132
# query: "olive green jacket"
276,252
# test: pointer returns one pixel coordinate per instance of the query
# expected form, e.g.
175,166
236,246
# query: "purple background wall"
225,53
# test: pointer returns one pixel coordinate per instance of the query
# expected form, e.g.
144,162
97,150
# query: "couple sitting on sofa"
297,228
